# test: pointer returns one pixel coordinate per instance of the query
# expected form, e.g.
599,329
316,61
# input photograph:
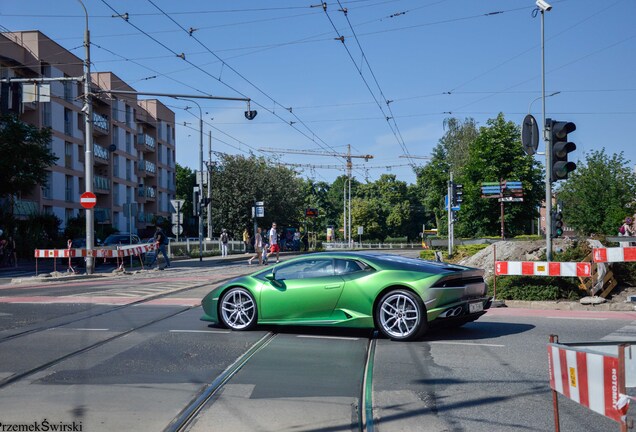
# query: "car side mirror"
272,278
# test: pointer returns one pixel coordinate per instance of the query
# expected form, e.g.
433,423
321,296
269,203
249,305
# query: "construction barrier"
543,268
594,375
615,254
120,252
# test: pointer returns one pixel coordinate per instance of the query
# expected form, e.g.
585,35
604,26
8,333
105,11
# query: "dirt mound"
512,251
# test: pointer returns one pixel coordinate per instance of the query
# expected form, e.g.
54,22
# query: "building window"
116,136
69,189
46,114
116,220
128,116
68,154
115,194
68,90
115,165
46,187
68,122
128,169
159,153
128,142
68,215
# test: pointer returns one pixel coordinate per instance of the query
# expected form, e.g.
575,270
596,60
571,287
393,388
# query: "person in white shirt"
273,242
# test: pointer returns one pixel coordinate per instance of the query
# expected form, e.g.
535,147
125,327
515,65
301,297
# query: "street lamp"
541,97
200,174
543,7
88,144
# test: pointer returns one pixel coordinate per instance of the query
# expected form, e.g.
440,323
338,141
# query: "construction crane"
349,166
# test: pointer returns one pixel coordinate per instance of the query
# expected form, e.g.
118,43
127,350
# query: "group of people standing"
263,244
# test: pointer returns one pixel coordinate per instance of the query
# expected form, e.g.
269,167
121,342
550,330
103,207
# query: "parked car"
121,239
401,297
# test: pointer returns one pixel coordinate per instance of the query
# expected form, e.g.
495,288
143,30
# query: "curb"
557,305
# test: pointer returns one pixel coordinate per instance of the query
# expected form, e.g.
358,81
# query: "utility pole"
210,187
88,145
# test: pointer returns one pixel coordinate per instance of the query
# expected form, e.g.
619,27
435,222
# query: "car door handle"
333,286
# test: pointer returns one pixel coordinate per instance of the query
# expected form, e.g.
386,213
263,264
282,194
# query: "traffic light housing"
557,224
457,193
561,147
195,200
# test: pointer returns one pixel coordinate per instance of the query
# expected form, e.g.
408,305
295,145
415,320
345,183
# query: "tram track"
150,298
206,397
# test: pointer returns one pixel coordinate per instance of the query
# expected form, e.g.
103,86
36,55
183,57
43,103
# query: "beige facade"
134,140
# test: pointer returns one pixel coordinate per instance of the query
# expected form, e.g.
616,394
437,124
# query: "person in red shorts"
273,242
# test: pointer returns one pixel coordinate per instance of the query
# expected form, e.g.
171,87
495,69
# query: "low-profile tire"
401,315
237,309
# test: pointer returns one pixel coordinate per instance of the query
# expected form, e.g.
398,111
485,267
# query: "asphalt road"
129,353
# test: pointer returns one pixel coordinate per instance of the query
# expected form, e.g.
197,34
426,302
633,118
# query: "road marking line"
578,318
466,343
88,329
200,331
327,337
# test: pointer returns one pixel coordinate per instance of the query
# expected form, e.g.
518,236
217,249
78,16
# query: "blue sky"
431,59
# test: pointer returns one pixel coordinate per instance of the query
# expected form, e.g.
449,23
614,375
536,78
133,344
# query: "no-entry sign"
88,200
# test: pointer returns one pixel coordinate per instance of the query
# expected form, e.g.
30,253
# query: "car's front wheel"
238,309
401,315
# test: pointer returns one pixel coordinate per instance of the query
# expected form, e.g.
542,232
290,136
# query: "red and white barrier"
616,254
591,375
121,251
542,268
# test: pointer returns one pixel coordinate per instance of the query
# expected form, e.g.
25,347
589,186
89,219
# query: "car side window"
310,268
347,266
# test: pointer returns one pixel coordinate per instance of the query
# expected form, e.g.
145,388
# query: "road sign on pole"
177,204
88,200
177,229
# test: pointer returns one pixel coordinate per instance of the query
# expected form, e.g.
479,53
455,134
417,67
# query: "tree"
239,181
497,155
26,156
186,180
599,194
390,209
450,154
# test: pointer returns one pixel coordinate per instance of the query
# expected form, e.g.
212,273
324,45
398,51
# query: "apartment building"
134,140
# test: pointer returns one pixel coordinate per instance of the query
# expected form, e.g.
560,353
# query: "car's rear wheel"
238,309
401,315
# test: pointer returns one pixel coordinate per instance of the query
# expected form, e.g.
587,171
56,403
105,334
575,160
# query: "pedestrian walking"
161,241
273,242
225,238
258,247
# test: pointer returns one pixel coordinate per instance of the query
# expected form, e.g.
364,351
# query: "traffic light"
195,199
558,132
205,201
457,194
557,224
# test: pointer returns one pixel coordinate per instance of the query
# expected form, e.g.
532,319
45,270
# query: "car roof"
391,260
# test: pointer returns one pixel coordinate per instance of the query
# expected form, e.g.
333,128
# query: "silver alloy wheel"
399,316
238,310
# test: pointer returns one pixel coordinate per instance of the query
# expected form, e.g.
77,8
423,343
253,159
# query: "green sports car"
399,296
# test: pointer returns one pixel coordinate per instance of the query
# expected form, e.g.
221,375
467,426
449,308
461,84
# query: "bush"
537,288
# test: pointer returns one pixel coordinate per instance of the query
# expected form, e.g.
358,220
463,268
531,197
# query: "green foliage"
429,254
598,194
536,288
38,231
495,155
186,180
25,156
239,181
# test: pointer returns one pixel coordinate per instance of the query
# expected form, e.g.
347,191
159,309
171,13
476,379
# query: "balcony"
146,167
101,184
145,143
149,193
101,154
100,123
